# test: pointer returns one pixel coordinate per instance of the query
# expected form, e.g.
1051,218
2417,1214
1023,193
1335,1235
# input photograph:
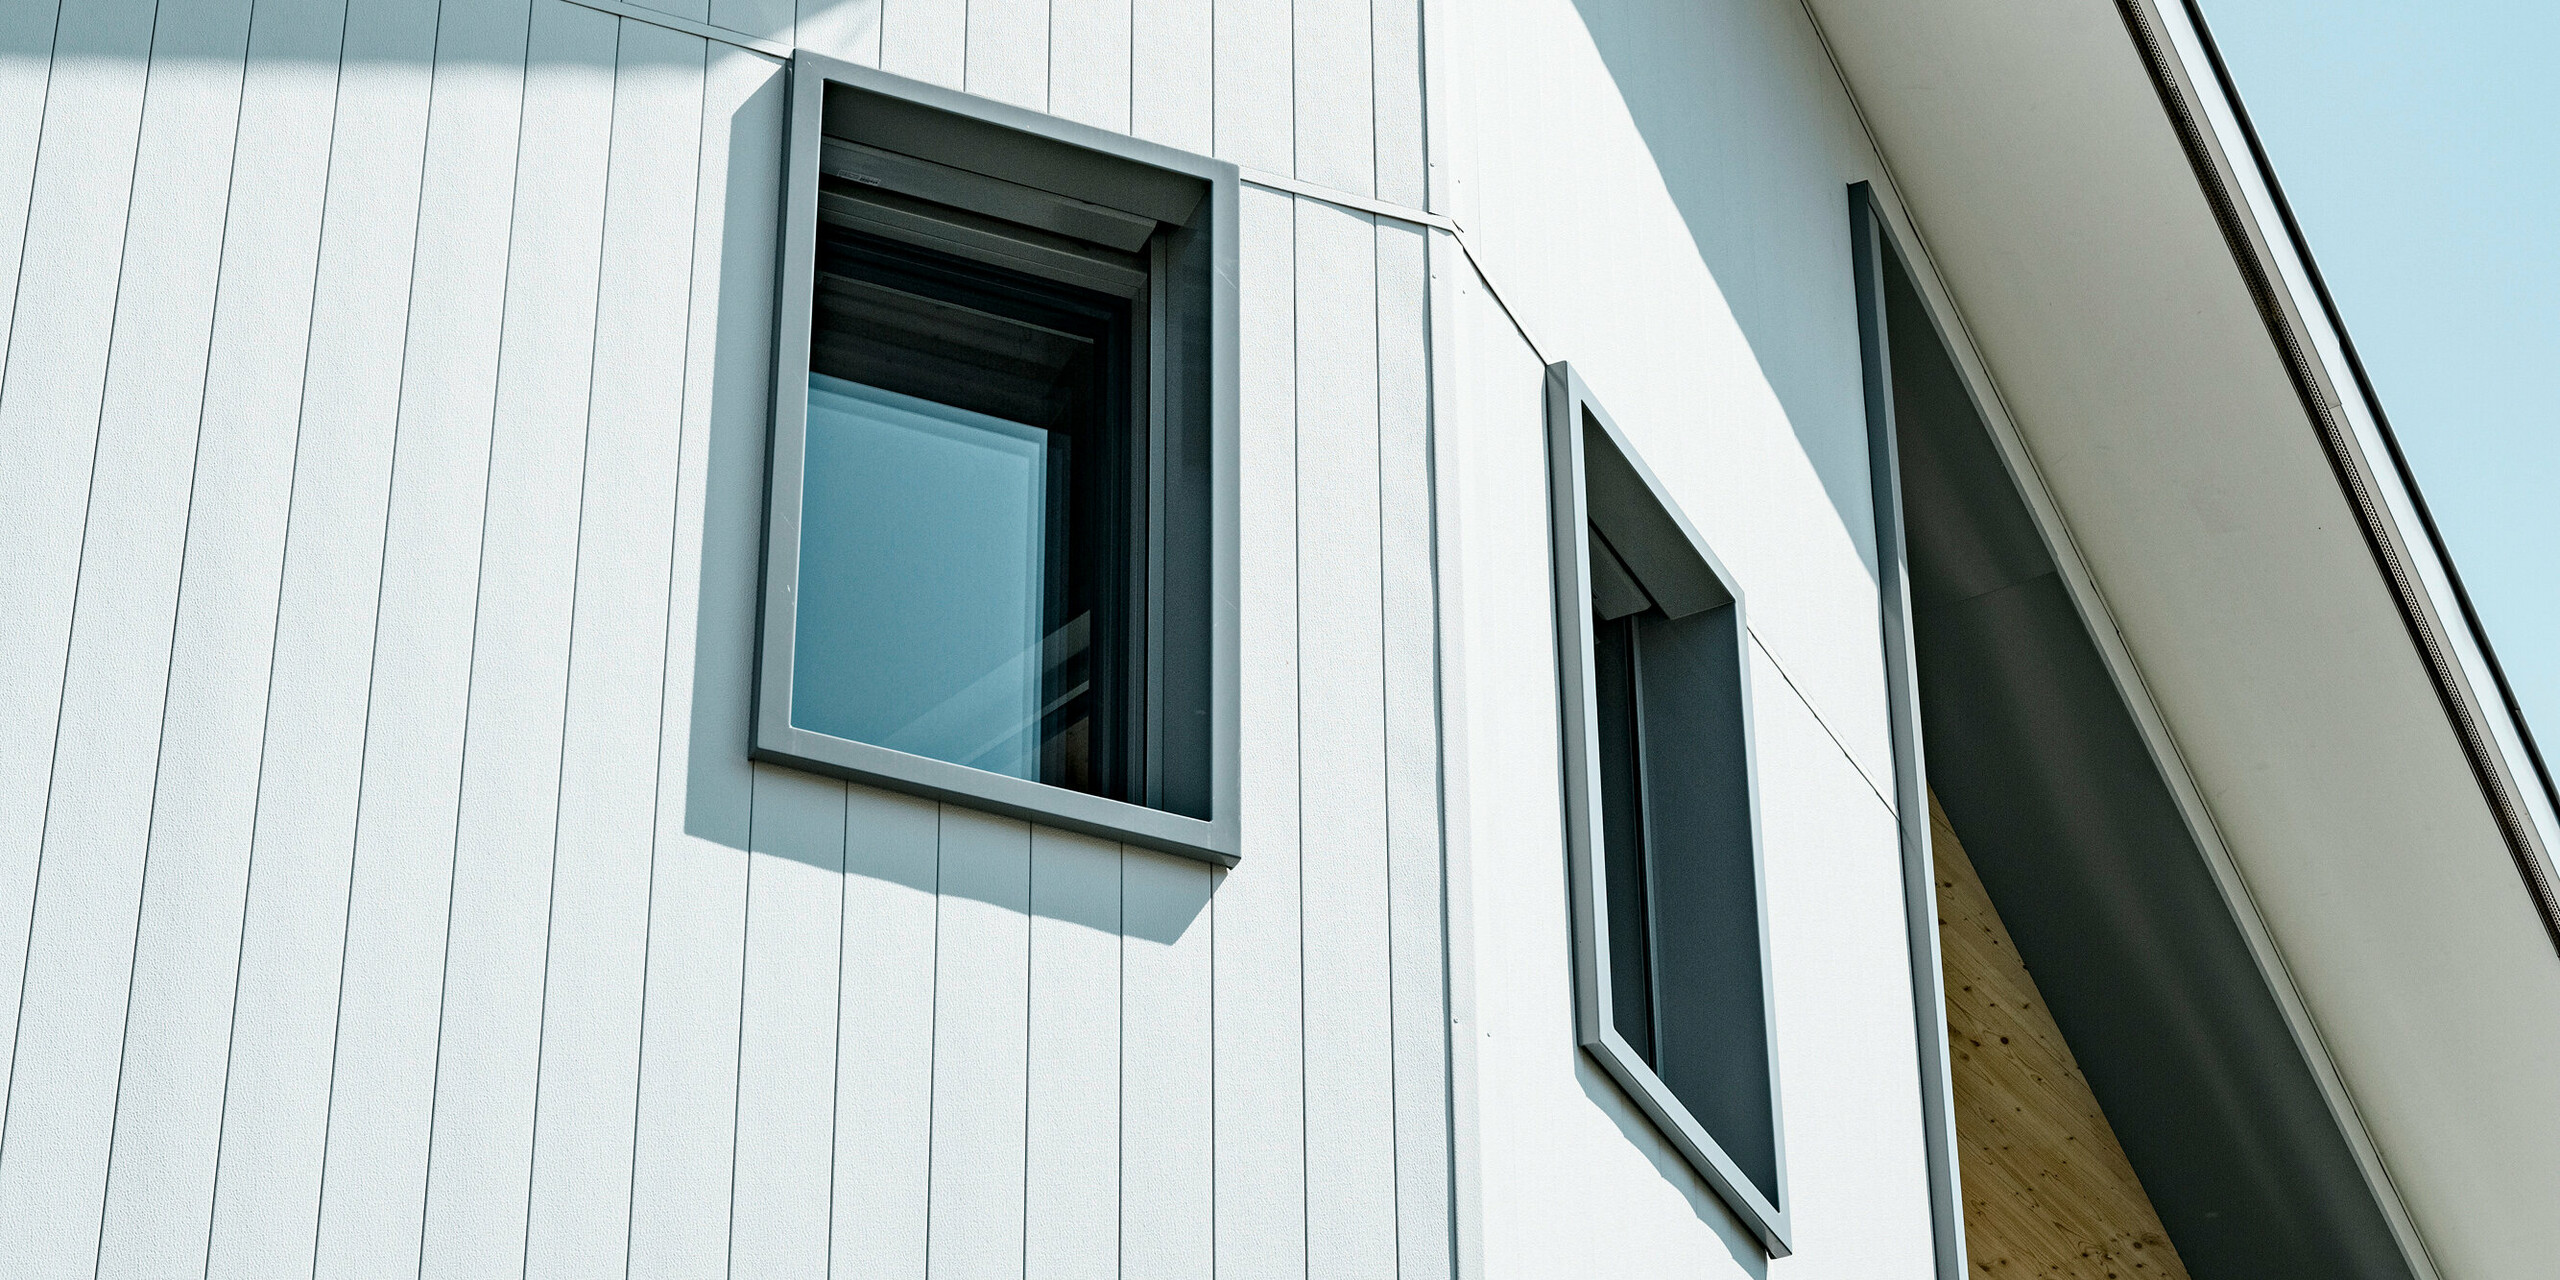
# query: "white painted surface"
52,383
1660,188
327,547
1574,1180
673,1212
187,949
1659,191
512,818
1071,1145
1261,991
382,1083
99,817
981,1049
611,789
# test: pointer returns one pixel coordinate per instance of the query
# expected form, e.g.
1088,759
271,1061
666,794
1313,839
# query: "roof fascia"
2302,319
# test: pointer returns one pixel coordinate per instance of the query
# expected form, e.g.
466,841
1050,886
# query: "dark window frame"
1676,570
1036,194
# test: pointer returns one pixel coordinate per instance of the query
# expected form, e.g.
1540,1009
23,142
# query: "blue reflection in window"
922,578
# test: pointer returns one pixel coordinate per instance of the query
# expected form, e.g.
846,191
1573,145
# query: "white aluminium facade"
386,886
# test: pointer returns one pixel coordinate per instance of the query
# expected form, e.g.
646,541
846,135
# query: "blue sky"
2420,147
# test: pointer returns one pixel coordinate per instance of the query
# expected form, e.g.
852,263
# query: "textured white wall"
1659,193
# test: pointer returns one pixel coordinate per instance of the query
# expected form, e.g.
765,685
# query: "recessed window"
996,535
1671,958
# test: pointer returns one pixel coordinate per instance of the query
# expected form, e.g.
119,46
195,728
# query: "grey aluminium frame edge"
1217,840
1869,240
1568,400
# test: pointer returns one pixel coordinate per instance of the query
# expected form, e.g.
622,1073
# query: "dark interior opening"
2089,861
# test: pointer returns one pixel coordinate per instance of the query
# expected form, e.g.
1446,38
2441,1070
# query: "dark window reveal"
995,530
1671,954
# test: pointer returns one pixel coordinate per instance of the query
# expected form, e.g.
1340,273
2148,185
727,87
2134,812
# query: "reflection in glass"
969,542
923,587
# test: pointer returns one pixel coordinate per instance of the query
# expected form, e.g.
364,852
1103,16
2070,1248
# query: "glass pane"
923,580
970,555
1711,1044
1622,835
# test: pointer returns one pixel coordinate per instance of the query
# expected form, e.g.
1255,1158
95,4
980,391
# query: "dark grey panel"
994,197
1654,544
1978,536
1711,1023
980,146
1614,590
2042,769
1186,589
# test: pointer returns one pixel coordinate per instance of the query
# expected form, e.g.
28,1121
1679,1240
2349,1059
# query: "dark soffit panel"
2077,838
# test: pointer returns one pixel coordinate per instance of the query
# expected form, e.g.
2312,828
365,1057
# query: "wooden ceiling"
2047,1191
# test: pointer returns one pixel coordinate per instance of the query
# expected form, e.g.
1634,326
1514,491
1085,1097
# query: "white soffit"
2051,192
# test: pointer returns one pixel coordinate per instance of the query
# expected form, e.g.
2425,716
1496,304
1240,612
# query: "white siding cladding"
391,889
383,887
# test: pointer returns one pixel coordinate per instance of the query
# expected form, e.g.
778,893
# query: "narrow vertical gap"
738,1061
933,1031
1030,940
1386,713
1298,690
835,1041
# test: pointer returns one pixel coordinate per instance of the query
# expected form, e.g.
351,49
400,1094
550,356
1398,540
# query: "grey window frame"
1570,406
1081,179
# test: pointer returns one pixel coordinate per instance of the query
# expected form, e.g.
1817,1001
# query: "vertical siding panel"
1261,1104
1089,62
1336,127
1008,51
1254,84
1350,1112
677,1198
187,951
282,1020
1413,755
787,1064
1170,70
595,970
489,1036
698,10
99,820
50,390
772,19
1166,1047
847,29
1396,55
981,1002
1452,286
884,1067
926,40
1071,1157
382,1085
26,69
